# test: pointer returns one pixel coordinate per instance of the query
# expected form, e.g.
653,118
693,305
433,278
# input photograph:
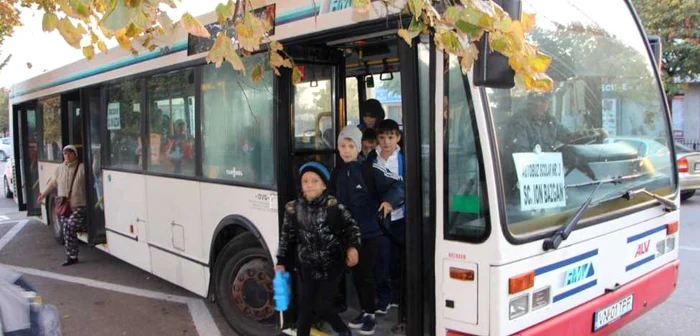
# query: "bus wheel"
55,223
243,274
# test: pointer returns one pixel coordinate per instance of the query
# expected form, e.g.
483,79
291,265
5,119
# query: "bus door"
26,119
92,120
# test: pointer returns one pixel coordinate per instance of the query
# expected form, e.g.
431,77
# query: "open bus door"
26,156
91,122
336,79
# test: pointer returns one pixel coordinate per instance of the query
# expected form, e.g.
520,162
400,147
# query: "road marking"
688,248
12,233
8,222
201,317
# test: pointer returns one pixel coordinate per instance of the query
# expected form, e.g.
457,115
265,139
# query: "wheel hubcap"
252,290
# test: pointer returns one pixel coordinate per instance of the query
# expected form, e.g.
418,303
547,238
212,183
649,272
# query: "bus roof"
292,18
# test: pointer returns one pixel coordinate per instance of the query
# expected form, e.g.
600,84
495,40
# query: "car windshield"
604,118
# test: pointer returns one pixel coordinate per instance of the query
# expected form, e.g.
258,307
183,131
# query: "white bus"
518,221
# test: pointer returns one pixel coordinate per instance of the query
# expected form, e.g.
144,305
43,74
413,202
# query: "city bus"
526,213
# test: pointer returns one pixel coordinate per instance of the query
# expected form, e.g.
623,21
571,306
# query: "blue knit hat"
317,168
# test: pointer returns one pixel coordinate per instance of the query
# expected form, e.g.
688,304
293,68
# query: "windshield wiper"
562,233
670,205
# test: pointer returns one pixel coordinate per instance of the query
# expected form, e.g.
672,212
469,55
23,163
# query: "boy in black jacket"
365,196
326,240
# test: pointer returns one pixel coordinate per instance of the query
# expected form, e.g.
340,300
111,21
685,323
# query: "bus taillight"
671,228
461,274
683,165
521,282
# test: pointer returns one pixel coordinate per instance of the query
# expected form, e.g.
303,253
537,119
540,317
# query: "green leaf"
193,26
415,7
119,16
257,74
223,51
467,28
72,34
448,41
224,12
452,14
50,22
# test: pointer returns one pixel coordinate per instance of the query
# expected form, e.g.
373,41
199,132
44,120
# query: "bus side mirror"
656,48
492,68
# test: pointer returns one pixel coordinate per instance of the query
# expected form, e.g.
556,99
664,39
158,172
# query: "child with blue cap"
325,239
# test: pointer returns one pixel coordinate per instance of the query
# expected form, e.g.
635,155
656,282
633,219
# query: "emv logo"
579,273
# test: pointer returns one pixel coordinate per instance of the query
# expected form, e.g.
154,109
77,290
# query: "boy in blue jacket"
365,189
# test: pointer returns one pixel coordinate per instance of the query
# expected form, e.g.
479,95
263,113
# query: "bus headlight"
670,243
519,306
540,298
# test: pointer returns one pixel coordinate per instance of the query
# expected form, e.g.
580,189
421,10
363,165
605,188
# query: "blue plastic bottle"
281,290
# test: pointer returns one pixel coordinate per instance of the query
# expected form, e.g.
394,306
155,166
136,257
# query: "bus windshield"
604,118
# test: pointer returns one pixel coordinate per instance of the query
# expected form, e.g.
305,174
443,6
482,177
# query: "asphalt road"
105,296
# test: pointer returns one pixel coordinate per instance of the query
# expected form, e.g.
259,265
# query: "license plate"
613,312
697,166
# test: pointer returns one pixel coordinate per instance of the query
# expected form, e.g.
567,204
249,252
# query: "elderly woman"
69,181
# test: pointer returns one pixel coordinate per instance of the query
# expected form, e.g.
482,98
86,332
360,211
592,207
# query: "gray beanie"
353,133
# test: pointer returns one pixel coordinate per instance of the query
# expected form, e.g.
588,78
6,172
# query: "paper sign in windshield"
541,179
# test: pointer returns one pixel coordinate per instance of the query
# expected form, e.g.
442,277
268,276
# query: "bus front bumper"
649,291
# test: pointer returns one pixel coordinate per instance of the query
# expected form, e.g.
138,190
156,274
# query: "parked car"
688,170
22,311
8,182
5,148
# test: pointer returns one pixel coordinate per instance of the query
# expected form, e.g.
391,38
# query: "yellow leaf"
70,33
81,9
223,51
257,74
250,32
452,14
93,37
361,6
275,46
408,36
29,65
538,82
132,31
89,52
276,60
193,26
50,22
124,41
539,63
505,25
132,3
102,46
448,41
470,54
297,76
528,21
224,12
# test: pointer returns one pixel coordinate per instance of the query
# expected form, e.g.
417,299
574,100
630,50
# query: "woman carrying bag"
69,181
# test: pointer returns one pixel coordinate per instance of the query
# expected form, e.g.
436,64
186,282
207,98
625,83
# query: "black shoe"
383,310
359,321
369,326
345,333
70,261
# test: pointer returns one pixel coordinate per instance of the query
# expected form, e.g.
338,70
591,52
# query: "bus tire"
685,195
243,273
56,225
